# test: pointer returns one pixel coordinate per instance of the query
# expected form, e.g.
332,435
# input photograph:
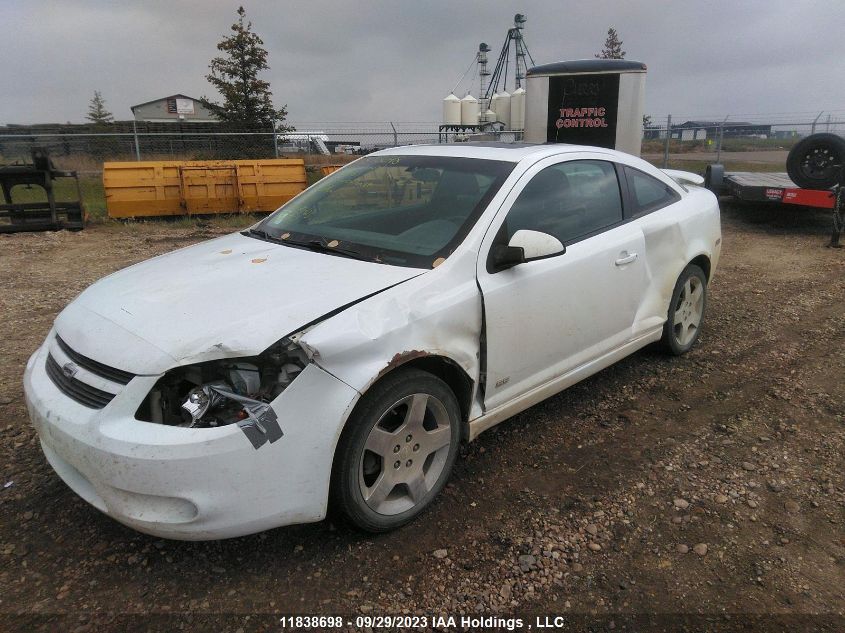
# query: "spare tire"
815,161
714,178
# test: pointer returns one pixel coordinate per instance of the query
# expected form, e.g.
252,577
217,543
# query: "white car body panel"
417,318
220,296
515,342
589,312
684,177
574,324
192,484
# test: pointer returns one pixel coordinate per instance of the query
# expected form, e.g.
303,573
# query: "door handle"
626,260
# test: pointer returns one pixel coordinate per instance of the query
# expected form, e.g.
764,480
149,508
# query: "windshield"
401,210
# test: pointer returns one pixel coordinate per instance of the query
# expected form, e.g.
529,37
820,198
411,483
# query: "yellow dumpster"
329,169
159,188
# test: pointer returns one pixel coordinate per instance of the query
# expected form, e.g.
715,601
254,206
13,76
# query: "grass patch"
699,166
676,146
94,199
64,189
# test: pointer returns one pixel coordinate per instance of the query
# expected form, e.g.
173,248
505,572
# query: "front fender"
437,314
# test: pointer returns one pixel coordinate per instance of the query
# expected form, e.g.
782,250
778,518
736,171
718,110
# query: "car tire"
397,451
686,311
814,162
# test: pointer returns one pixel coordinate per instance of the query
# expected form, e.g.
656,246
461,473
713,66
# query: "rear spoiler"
684,177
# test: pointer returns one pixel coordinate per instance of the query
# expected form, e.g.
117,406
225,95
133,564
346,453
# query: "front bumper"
192,484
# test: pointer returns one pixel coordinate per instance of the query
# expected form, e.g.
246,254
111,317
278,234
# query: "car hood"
231,296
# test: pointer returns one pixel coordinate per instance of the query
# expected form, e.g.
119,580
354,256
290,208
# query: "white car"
337,353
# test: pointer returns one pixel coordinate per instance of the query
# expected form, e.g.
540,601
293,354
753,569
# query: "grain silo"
503,108
469,110
451,110
517,121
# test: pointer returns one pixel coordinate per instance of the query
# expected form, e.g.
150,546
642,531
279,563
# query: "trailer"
815,177
773,187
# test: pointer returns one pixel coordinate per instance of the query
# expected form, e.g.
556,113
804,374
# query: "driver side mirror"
505,257
525,246
536,244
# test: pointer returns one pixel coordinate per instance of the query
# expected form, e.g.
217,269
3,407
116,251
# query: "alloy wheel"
405,454
689,311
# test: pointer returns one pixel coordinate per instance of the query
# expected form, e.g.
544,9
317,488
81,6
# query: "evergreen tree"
246,98
97,112
612,46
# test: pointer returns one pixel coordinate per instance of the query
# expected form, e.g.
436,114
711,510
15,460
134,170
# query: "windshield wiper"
262,235
321,247
314,245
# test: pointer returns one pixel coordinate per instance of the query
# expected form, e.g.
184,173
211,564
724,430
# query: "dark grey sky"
395,60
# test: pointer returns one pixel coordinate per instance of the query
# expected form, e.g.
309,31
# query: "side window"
570,200
648,193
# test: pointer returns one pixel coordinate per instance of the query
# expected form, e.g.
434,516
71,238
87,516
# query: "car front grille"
81,392
103,371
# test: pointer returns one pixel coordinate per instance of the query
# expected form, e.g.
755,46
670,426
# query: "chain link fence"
751,143
740,143
670,140
86,151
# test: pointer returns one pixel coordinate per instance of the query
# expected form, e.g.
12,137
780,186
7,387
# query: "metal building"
175,108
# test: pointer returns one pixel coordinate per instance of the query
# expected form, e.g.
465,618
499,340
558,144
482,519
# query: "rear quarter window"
647,193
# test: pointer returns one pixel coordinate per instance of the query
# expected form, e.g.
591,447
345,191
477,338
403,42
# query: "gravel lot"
710,484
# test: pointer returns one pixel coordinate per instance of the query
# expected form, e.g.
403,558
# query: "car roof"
511,152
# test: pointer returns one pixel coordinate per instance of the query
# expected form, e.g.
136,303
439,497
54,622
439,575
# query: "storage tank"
489,116
451,110
469,110
597,102
494,101
518,109
503,108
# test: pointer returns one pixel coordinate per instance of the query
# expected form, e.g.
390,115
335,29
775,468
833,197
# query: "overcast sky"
396,60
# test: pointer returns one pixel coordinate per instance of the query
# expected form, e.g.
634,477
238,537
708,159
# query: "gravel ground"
710,484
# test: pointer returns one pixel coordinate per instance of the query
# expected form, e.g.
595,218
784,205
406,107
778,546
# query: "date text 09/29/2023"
441,622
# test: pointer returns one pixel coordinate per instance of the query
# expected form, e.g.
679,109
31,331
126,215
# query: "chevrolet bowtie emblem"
69,370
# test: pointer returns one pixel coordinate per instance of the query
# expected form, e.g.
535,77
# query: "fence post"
137,146
719,142
666,141
813,129
395,137
275,138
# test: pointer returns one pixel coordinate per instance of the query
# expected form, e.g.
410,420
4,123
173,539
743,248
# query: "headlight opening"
227,391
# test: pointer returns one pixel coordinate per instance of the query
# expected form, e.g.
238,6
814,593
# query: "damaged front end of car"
227,391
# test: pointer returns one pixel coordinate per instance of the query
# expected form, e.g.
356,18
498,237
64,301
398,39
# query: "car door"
546,317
